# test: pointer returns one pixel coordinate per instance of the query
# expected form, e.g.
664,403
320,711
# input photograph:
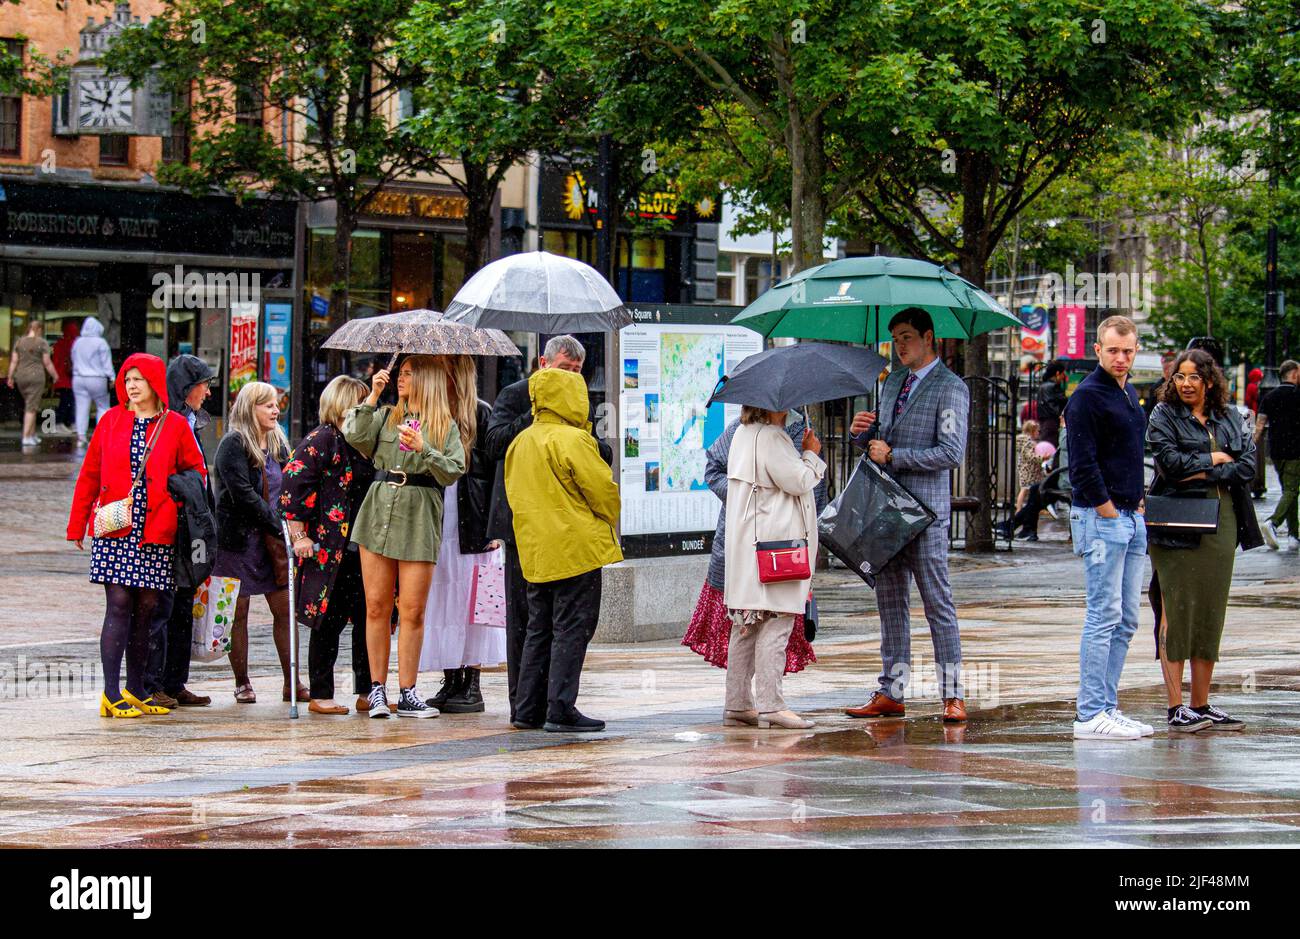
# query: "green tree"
493,88
329,65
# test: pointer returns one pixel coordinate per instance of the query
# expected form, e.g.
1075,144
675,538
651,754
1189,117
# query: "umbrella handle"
391,362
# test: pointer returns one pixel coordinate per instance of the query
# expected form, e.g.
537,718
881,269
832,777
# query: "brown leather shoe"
880,705
363,704
188,699
163,699
320,707
954,711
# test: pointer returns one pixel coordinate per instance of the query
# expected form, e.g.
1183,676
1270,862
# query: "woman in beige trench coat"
769,498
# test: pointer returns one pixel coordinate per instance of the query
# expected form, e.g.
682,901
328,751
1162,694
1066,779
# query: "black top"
241,509
1282,408
1051,401
1105,428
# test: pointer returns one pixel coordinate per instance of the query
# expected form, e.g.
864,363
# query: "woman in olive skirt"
1202,451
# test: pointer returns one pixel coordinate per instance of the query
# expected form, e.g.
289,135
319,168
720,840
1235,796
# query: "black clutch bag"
1193,516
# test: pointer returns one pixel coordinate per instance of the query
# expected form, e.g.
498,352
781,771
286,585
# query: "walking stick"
293,625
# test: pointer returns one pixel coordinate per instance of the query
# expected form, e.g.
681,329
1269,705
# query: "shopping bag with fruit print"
214,612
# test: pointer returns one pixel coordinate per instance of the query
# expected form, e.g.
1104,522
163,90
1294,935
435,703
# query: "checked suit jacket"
928,438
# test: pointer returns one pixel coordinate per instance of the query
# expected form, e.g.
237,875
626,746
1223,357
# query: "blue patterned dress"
124,560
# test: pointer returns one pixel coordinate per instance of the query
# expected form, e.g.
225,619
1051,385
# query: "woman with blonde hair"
247,474
416,448
453,642
324,483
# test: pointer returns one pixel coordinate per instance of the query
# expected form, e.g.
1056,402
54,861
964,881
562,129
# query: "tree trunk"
1205,276
480,192
807,195
344,224
976,176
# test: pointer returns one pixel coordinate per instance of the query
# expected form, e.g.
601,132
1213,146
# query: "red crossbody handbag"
778,561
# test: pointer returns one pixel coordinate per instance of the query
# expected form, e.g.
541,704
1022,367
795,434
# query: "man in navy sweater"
1105,431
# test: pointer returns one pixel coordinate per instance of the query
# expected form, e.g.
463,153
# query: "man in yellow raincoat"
566,506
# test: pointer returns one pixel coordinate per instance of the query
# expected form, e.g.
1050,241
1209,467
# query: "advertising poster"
276,355
669,370
1035,336
1072,327
243,346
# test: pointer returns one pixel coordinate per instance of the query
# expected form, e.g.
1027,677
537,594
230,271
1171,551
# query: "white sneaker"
1293,544
1145,729
378,699
31,441
1051,510
1269,531
1105,727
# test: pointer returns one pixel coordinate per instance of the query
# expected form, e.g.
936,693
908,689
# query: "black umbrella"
805,373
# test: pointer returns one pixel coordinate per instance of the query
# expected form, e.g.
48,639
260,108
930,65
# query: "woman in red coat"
135,562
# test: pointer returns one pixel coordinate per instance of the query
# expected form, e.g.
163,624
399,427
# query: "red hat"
152,368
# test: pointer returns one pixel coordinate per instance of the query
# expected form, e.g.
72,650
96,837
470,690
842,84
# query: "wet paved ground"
666,773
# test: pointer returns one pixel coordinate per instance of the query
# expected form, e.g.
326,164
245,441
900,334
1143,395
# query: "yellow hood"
562,394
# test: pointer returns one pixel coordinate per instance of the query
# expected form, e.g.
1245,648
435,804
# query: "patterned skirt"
710,632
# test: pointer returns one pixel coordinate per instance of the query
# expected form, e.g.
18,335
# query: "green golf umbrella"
853,299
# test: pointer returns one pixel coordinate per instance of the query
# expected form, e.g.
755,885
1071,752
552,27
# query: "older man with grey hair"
512,413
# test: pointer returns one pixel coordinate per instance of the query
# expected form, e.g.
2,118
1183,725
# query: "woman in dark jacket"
1202,451
325,482
247,473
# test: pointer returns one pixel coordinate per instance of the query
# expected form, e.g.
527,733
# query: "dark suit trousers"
562,616
347,603
170,635
516,624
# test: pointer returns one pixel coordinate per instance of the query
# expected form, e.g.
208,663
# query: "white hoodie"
91,356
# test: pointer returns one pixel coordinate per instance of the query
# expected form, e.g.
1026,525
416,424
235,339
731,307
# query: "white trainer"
1105,727
1293,545
1145,729
1269,530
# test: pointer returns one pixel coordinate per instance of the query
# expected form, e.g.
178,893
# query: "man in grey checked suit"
919,438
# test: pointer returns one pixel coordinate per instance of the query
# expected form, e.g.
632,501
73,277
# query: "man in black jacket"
188,386
1051,403
512,413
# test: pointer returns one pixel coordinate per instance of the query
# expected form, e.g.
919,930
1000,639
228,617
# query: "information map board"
670,361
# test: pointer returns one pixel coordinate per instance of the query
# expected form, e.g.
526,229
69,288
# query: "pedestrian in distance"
416,449
28,365
1279,416
511,414
1105,431
65,414
134,452
325,481
1029,474
565,507
1260,485
92,370
453,642
189,384
1202,450
769,499
919,438
709,631
248,472
1051,403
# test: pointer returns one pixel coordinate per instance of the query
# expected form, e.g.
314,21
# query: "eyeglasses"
1193,379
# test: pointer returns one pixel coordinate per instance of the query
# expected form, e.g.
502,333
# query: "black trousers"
516,623
562,619
170,635
347,603
1027,517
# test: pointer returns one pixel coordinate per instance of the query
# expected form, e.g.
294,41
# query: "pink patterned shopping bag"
487,597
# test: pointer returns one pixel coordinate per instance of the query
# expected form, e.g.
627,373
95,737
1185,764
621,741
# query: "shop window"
369,282
580,245
114,149
11,107
758,277
413,271
453,267
726,279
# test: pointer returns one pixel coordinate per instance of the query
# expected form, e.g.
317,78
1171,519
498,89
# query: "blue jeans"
1114,557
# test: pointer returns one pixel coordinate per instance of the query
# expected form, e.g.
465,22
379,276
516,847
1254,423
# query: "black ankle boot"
451,681
468,699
